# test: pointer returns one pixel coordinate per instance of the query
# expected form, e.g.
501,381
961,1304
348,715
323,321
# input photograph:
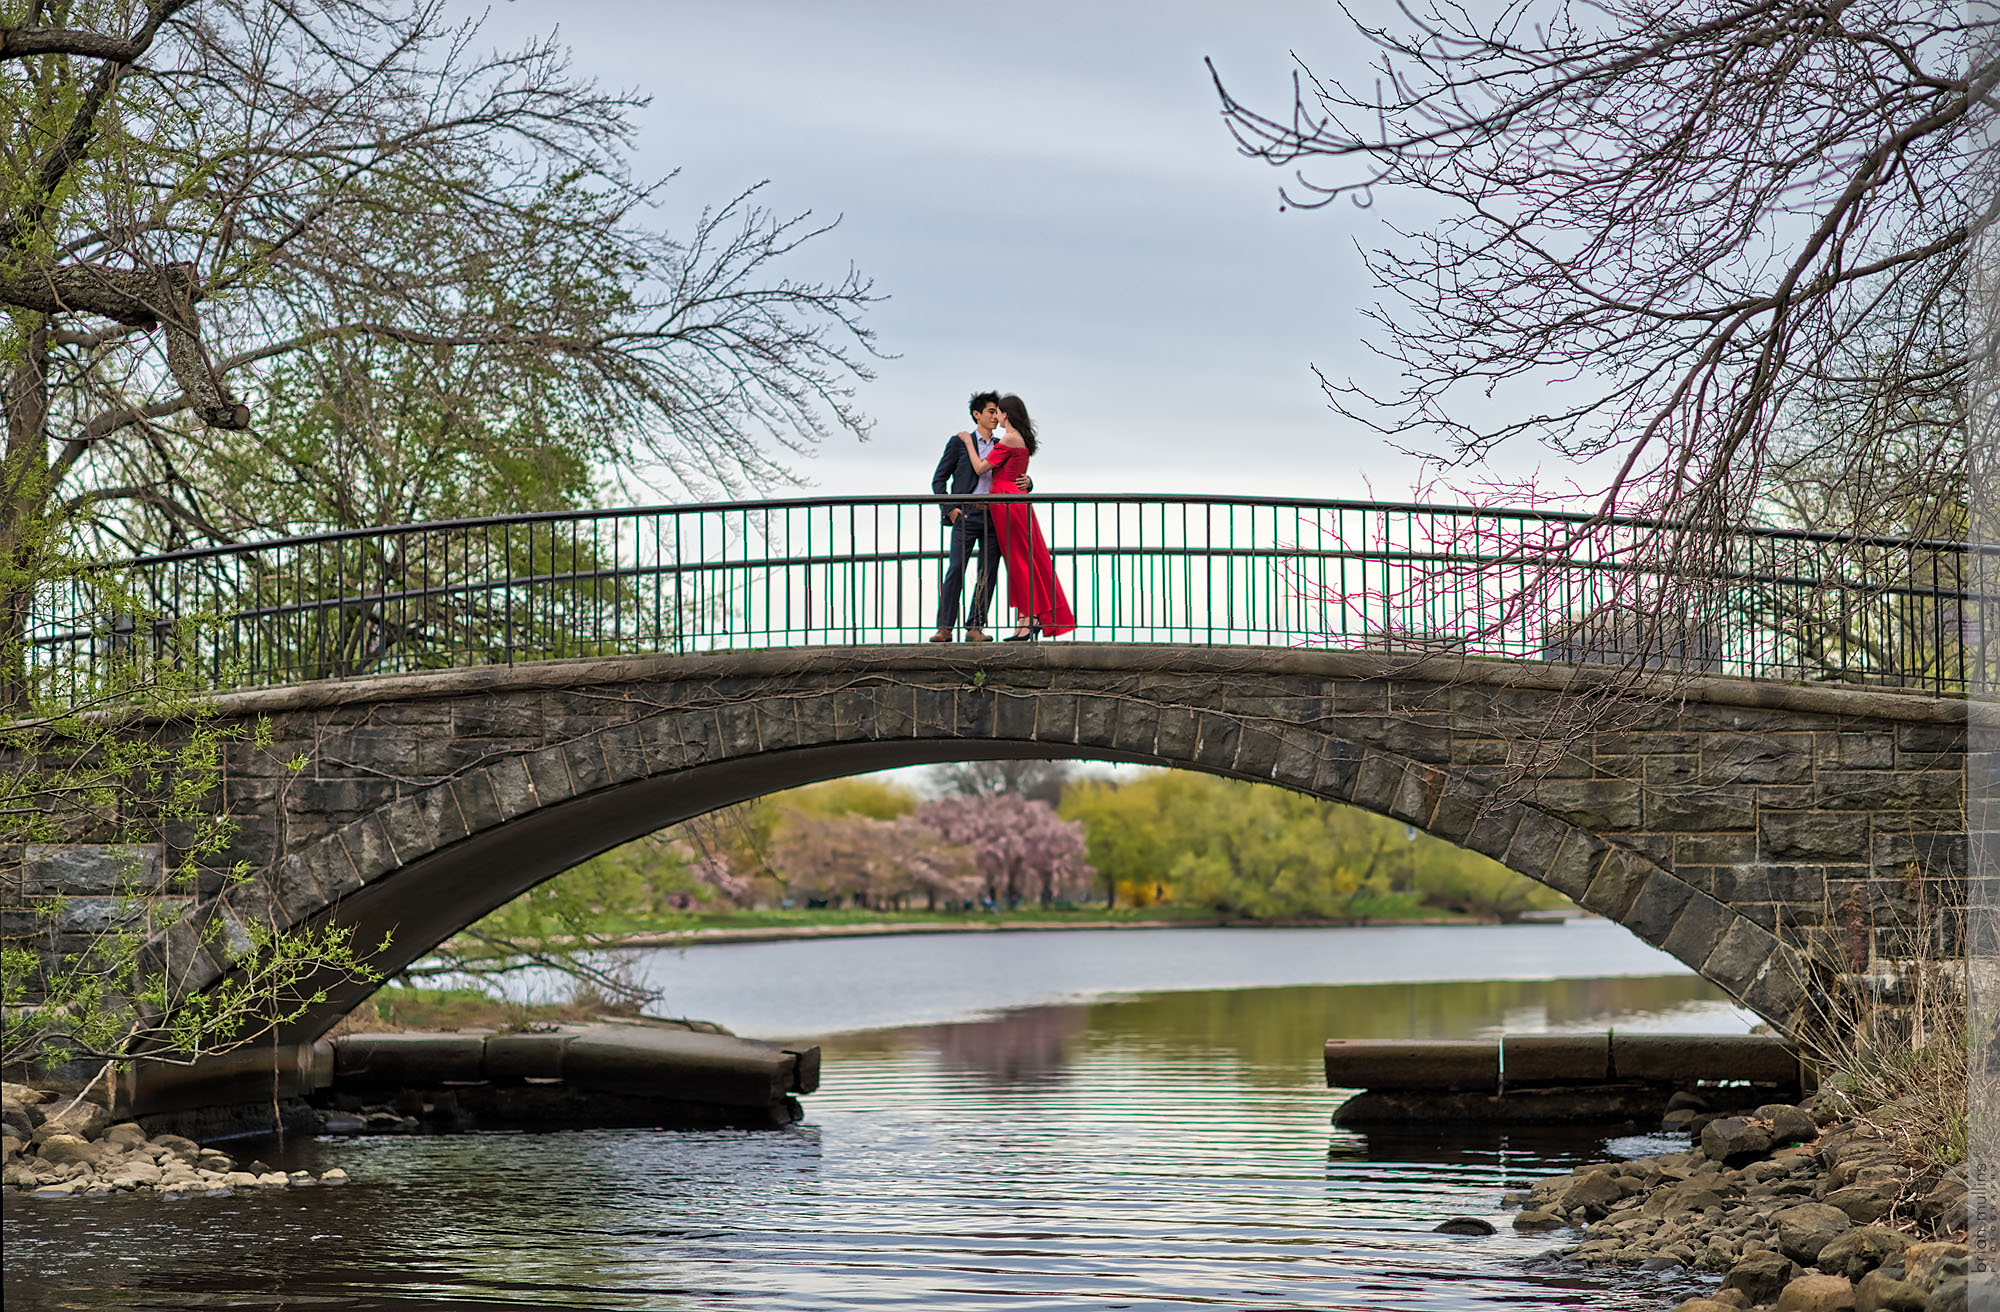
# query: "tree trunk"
24,494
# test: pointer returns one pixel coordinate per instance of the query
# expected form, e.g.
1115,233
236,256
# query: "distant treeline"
1168,839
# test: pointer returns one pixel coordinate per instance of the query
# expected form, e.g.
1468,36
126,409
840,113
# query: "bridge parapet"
1156,570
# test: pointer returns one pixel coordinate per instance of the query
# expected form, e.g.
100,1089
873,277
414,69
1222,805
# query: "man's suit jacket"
955,474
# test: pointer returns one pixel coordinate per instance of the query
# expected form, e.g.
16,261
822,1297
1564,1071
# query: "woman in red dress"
1032,588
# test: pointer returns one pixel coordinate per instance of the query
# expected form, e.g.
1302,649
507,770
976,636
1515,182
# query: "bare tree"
1722,250
216,214
1037,781
1685,223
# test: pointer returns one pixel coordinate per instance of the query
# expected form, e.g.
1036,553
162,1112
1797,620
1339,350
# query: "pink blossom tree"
877,863
1024,849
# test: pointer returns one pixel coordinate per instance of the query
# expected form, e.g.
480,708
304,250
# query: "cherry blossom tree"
1024,849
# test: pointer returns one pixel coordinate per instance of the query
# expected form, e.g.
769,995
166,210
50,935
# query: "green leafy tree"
273,266
878,799
1261,852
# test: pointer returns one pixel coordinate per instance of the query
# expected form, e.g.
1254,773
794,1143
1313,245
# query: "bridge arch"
1709,826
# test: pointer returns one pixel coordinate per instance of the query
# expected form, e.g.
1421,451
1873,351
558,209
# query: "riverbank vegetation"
1167,846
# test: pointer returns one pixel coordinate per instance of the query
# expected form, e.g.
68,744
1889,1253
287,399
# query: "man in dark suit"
971,527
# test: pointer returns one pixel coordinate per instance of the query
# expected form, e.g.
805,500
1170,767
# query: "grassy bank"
1387,909
400,1007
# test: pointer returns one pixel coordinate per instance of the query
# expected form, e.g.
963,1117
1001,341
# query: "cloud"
1047,194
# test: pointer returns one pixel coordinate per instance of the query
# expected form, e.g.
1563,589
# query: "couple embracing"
994,458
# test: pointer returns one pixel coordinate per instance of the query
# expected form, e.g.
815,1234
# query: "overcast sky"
1046,193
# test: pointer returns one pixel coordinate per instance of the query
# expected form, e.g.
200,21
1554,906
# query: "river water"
1029,1121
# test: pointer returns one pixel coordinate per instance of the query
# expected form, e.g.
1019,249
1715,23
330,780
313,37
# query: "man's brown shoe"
976,635
942,635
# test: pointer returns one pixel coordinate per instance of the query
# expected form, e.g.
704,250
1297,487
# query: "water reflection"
826,986
1016,1048
1279,1031
1164,1151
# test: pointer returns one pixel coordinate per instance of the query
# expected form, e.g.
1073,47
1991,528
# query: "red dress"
1032,586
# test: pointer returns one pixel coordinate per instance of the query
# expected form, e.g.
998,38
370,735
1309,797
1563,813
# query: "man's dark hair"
980,400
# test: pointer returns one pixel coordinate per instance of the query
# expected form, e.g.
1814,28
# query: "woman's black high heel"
1033,634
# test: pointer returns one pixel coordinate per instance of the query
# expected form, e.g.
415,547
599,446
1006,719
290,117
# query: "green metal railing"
1524,585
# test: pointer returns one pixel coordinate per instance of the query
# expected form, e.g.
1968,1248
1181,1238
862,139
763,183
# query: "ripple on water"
1118,1155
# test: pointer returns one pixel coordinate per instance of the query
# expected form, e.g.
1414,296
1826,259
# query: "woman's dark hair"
980,400
1017,419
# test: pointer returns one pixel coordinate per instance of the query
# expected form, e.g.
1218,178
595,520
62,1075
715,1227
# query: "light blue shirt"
985,445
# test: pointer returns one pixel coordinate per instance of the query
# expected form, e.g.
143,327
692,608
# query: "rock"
1719,1255
1877,1292
270,1179
341,1123
135,1175
1688,1196
1463,1225
1705,1305
1865,1203
19,1175
1536,1220
1760,1274
126,1134
1593,1192
239,1180
1789,1125
1687,1100
1735,1139
185,1149
1863,1161
17,1121
1807,1228
1945,1206
10,1145
1860,1251
20,1095
62,1149
63,1190
1816,1293
1949,1296
335,1176
1679,1119
84,1119
1733,1297
1921,1263
1950,1188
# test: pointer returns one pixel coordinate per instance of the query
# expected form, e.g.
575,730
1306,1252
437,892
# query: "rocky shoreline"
1806,1208
60,1148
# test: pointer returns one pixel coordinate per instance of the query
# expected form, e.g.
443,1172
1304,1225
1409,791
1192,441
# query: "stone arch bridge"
1766,779
1778,839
